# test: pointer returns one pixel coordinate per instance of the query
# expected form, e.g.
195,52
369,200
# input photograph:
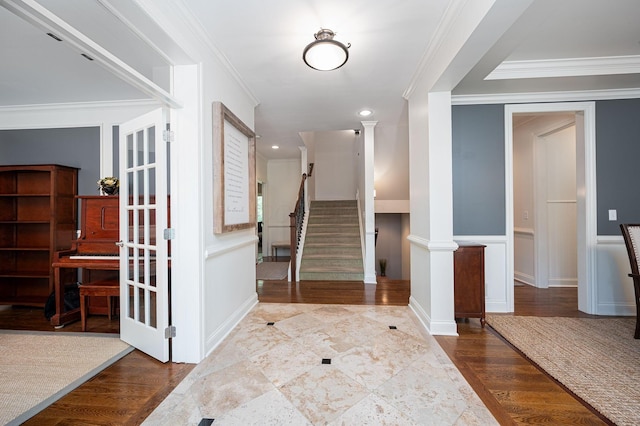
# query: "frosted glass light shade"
325,54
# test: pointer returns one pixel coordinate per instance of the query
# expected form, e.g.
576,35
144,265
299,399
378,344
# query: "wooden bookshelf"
38,216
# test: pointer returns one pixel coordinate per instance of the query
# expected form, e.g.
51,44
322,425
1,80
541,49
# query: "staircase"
332,250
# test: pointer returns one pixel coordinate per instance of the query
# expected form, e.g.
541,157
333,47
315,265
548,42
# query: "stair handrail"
296,220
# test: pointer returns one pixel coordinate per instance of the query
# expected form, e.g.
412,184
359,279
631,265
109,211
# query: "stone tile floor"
300,364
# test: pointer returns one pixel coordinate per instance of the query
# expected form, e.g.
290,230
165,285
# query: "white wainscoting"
614,288
524,256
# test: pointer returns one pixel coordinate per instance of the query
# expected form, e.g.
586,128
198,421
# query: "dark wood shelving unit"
38,216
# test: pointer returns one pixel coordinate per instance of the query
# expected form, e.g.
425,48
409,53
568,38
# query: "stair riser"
338,220
333,203
329,263
332,240
326,233
353,251
333,212
314,276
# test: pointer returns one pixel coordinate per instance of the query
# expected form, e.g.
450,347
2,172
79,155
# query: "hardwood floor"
515,391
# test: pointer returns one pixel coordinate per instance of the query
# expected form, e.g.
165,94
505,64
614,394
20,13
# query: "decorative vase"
383,267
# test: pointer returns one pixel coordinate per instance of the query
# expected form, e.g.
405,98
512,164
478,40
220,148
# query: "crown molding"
70,106
445,26
536,97
193,23
571,67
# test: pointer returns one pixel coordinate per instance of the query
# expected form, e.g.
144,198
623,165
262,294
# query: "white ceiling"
263,41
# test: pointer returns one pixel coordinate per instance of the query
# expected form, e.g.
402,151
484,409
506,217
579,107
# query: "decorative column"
431,236
369,204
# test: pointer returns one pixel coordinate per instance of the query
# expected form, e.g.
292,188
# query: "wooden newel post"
294,244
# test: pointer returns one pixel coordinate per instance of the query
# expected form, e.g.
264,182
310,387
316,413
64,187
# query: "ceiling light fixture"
274,147
325,54
365,113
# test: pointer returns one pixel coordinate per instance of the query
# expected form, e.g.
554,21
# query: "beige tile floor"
279,374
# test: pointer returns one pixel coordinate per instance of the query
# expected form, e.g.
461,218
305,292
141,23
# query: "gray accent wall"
76,147
618,163
478,167
478,170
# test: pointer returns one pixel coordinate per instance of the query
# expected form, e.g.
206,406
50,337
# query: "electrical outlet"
525,215
613,215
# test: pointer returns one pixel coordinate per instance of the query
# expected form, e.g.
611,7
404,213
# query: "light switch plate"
613,215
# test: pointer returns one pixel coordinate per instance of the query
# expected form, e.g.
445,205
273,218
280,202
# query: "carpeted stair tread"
334,269
334,256
331,244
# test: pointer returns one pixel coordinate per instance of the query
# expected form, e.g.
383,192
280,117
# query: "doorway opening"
585,209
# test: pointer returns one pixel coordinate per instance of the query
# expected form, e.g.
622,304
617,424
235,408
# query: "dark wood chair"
631,235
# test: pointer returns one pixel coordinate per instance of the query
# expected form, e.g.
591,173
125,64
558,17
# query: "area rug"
272,270
38,368
597,359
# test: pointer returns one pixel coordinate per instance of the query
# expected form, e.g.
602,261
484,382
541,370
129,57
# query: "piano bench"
108,288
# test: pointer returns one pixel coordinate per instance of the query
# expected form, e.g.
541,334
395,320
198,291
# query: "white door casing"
144,277
586,199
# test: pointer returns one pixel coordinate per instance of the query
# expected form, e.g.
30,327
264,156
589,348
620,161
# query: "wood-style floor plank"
515,391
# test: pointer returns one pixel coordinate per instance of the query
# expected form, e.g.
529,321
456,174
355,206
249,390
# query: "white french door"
144,276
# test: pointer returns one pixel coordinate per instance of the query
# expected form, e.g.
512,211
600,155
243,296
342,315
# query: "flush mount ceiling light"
325,54
365,113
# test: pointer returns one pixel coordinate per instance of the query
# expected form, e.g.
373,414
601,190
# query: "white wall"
213,284
391,178
336,168
283,184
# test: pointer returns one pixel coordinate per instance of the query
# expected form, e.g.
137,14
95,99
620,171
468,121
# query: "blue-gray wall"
618,163
478,170
76,147
478,167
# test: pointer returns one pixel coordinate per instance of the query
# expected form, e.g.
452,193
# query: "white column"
106,149
187,308
431,236
369,206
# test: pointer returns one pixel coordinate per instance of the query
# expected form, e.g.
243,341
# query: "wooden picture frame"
234,172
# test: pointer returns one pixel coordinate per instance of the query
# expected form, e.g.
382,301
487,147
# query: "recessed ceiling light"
365,113
275,147
53,36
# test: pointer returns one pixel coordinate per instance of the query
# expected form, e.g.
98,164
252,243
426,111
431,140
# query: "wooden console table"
279,245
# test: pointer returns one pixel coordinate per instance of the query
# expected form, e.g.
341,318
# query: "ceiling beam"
36,14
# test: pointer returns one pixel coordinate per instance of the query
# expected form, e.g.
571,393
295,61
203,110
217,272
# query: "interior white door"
144,277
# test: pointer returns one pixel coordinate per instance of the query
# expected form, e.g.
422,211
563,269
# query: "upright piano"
94,252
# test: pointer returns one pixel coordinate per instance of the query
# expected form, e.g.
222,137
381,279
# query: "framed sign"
234,172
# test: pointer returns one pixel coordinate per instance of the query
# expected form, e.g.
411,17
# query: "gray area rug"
272,271
598,359
37,369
